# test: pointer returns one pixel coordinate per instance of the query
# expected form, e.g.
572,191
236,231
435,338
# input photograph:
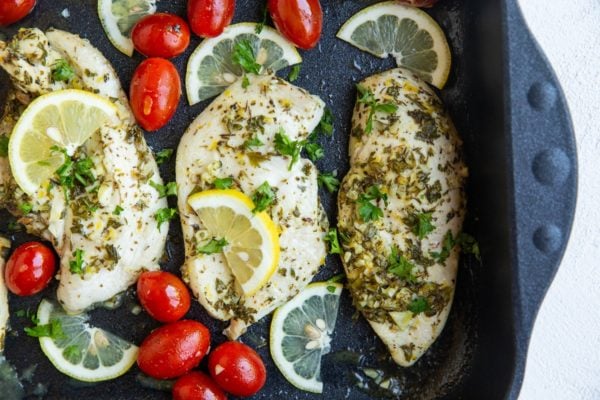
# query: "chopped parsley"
25,208
52,330
163,156
329,181
263,21
74,172
314,151
243,55
326,124
62,71
400,266
223,183
423,225
72,353
245,82
367,210
368,98
447,245
214,246
170,189
334,279
164,215
288,147
334,244
118,210
4,146
76,265
294,73
419,305
263,197
254,141
469,245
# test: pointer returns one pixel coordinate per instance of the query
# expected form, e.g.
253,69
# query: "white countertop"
564,354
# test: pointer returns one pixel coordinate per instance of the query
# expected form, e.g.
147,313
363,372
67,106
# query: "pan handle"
544,165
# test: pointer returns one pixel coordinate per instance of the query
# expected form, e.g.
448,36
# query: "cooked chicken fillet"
110,225
402,266
213,147
4,246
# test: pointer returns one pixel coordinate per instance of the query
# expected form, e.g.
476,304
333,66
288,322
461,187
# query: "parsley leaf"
469,245
4,146
163,156
326,124
245,82
294,73
170,189
243,55
52,330
423,225
62,71
447,245
419,305
367,210
288,147
72,353
254,141
118,210
76,265
223,183
26,207
214,246
164,215
263,21
314,151
74,172
332,238
328,180
400,266
368,98
263,197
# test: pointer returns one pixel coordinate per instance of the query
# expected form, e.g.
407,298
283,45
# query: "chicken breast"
401,261
106,231
4,247
213,147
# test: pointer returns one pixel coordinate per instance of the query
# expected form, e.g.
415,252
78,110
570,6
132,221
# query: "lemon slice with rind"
118,18
211,69
301,334
65,119
252,249
407,33
84,352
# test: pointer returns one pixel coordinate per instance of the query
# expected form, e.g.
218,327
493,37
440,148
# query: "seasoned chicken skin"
402,265
213,147
106,232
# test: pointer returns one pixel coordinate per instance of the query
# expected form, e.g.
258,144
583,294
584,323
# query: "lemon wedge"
249,241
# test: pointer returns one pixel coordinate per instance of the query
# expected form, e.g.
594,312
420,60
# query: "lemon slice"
65,119
118,18
83,352
252,249
407,33
301,334
211,69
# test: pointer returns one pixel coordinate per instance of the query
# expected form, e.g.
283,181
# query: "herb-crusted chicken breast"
401,208
235,138
103,226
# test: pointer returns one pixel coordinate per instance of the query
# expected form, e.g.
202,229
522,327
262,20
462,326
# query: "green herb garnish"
118,210
163,156
419,305
170,189
263,197
76,265
62,71
328,180
332,238
243,55
52,330
254,141
447,245
368,98
245,82
214,246
294,73
287,147
423,225
263,21
400,266
469,245
25,208
4,146
367,210
223,183
314,151
164,215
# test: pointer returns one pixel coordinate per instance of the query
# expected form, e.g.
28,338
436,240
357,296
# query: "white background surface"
564,355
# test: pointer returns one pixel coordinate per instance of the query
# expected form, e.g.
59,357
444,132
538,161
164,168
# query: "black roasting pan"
520,148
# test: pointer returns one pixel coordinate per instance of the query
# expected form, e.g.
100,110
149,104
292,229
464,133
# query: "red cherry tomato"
301,21
173,349
12,11
237,368
29,269
163,295
197,386
161,35
208,18
154,93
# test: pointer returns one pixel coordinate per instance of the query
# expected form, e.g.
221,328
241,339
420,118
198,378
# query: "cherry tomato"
163,295
197,386
12,11
161,35
29,269
237,368
301,21
418,3
208,18
154,93
173,349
